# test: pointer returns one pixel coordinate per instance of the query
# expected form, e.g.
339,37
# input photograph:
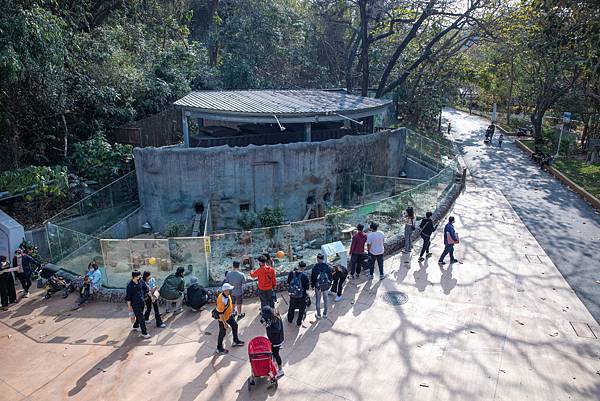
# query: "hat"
194,280
18,250
226,286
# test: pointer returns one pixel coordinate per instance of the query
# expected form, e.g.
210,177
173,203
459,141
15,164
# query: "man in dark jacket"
173,288
196,295
25,265
135,302
427,228
298,284
320,280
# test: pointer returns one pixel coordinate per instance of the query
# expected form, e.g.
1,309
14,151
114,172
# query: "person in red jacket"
266,282
357,250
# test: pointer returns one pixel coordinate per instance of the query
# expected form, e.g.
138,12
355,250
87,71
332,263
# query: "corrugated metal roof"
279,102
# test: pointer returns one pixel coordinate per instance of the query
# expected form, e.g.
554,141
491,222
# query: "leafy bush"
269,217
175,229
247,221
97,160
35,181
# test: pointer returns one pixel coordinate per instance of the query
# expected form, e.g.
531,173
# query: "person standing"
500,139
24,263
427,228
375,240
450,238
7,284
272,321
298,284
266,281
135,303
237,279
149,284
172,290
409,227
449,127
339,276
224,312
357,250
320,281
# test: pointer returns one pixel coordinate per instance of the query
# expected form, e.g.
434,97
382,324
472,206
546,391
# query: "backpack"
295,288
323,281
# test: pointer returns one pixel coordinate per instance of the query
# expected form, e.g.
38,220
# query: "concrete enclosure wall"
171,180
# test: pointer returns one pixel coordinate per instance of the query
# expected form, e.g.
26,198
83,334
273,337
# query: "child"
500,139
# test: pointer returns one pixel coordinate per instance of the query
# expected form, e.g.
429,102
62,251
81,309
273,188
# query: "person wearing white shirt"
375,248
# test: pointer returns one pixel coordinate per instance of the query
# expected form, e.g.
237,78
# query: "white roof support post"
307,132
186,130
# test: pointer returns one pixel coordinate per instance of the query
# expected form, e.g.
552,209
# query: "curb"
588,197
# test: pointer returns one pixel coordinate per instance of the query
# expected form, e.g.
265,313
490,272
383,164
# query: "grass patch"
583,174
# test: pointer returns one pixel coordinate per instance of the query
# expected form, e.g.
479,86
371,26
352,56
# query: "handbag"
307,301
451,240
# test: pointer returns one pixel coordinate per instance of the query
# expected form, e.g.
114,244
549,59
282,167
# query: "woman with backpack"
272,321
298,284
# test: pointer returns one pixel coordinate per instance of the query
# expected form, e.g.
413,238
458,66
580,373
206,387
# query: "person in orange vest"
266,282
226,318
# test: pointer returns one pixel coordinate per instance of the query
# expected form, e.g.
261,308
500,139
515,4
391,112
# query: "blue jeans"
449,249
318,294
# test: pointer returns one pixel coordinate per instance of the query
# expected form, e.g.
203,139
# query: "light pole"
566,119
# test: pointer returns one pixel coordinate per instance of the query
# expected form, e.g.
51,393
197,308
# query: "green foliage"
175,229
247,221
97,160
35,181
269,217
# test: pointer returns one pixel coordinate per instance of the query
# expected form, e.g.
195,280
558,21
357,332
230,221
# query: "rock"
149,353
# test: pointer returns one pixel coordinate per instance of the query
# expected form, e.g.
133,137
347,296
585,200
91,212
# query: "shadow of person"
420,276
119,354
447,281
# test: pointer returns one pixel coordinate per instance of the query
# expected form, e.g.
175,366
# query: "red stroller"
261,361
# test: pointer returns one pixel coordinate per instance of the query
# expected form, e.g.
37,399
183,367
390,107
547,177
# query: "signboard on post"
333,248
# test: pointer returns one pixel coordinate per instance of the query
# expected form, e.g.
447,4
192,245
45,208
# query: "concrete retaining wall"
172,180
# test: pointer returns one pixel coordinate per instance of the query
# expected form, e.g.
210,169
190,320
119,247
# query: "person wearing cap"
320,280
196,295
237,279
226,318
272,321
298,284
266,281
23,262
172,290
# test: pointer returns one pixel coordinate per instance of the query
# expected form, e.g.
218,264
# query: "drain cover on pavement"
395,298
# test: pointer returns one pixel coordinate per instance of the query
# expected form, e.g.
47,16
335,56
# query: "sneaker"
352,276
147,321
26,295
454,261
146,336
280,373
178,310
298,324
421,259
441,262
5,308
370,276
238,343
381,277
429,254
161,326
324,315
222,351
338,298
318,317
241,316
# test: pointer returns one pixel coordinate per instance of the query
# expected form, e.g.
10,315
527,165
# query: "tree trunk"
536,121
510,89
66,138
212,7
364,36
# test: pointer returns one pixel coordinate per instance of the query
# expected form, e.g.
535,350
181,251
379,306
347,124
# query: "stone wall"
171,180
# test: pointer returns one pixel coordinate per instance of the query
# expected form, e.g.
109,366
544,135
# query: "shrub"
247,221
269,217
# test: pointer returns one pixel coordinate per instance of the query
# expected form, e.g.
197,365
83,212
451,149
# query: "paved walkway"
567,228
496,327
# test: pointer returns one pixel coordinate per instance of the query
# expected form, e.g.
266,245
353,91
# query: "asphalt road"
566,227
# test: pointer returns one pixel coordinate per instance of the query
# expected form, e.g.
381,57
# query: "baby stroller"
261,362
49,279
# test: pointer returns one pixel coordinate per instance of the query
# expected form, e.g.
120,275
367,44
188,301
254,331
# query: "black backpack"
295,288
323,281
